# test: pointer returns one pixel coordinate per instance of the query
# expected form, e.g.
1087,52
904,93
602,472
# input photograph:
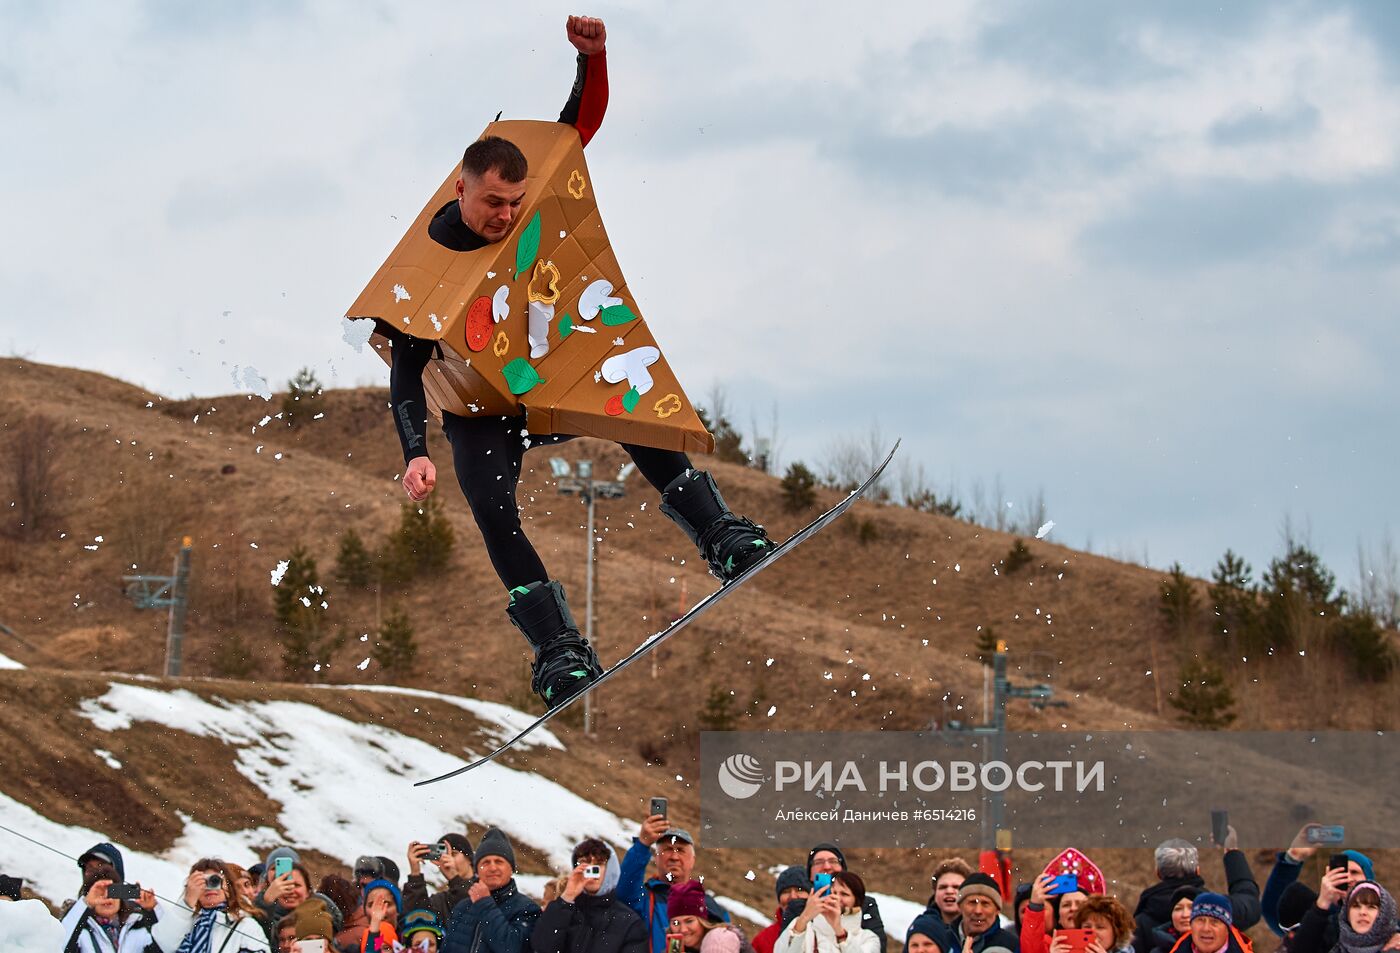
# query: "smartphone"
1079,939
1333,834
593,872
658,806
123,891
282,866
1219,826
1064,883
435,852
675,943
1338,862
820,881
309,946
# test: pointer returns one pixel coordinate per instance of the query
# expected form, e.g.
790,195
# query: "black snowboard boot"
564,661
729,543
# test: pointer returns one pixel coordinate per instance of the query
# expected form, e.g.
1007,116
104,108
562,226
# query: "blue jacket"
500,923
648,897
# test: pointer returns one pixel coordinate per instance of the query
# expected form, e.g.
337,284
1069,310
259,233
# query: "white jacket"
819,937
81,930
174,921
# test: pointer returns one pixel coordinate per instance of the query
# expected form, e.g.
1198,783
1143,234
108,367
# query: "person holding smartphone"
1367,924
214,916
1178,864
455,861
100,923
830,921
675,863
288,885
1289,864
691,923
587,916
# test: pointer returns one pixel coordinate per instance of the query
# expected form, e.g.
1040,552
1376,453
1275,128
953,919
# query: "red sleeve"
588,99
1033,931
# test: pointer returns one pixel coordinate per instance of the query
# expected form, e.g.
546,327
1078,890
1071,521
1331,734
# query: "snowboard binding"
564,660
729,543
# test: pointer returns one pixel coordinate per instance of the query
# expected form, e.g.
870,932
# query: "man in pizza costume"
576,360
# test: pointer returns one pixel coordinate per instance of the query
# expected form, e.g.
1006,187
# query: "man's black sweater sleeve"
408,403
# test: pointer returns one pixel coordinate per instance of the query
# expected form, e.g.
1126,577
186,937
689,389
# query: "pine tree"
1298,599
353,564
1177,601
302,402
1018,557
1204,699
299,604
395,647
1358,637
799,488
718,713
729,443
1232,601
422,543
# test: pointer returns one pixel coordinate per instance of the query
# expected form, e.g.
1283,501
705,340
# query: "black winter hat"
106,853
459,843
390,870
1293,903
980,885
820,847
494,844
793,877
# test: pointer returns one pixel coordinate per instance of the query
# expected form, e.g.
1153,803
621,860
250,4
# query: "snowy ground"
344,789
7,662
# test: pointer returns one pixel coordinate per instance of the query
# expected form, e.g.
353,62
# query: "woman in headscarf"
1367,923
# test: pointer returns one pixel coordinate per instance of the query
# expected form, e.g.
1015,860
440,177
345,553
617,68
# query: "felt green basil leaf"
617,314
529,246
629,400
520,376
566,326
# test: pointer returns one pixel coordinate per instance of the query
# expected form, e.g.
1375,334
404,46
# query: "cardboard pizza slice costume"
540,323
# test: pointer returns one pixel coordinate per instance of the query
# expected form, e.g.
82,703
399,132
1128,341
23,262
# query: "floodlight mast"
580,480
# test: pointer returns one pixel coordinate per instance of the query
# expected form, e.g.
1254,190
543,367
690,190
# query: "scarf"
200,937
112,927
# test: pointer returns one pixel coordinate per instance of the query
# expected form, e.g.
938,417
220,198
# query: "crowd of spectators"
653,901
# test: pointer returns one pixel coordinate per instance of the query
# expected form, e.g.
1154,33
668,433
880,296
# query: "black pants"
487,454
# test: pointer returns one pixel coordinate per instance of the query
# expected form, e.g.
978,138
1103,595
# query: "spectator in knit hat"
1367,922
422,931
979,918
792,886
830,920
1290,862
827,859
382,903
495,917
1292,906
1178,865
675,863
690,917
282,895
455,864
1166,936
312,921
587,916
1212,927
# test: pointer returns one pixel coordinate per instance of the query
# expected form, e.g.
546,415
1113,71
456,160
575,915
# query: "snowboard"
701,607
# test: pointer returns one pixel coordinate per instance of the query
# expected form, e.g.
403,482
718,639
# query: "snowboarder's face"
1208,935
489,204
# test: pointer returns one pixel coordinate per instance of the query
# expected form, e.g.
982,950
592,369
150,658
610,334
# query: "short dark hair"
853,883
592,847
493,152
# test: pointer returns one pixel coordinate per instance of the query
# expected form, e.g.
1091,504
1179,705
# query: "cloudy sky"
1139,257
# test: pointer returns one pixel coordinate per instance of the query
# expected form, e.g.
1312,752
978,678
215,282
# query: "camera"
593,872
123,891
213,882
